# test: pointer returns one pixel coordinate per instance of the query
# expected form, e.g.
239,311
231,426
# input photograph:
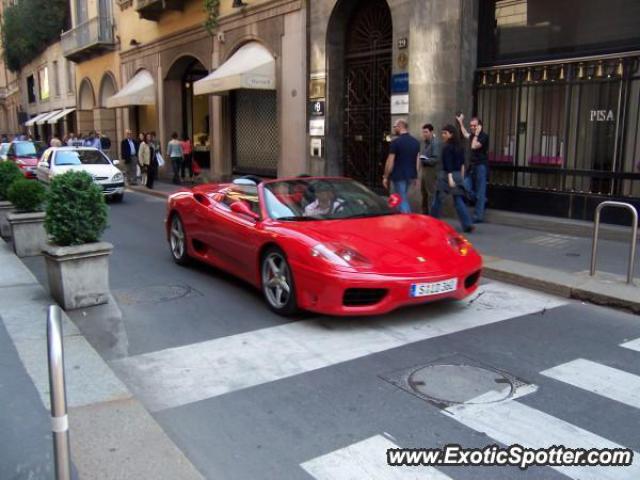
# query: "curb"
603,289
147,191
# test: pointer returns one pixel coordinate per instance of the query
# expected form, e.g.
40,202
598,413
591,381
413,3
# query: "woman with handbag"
450,180
152,172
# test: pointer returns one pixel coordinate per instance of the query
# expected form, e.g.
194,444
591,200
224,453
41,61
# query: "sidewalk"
111,434
544,253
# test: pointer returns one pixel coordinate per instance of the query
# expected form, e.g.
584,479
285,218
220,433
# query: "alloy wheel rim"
276,280
177,238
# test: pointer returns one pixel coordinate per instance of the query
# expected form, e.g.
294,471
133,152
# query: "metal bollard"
634,236
58,395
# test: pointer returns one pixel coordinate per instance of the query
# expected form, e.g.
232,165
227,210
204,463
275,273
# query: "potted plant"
77,261
27,219
9,172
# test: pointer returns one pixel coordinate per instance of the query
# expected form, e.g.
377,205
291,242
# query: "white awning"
32,121
252,67
63,113
140,90
44,119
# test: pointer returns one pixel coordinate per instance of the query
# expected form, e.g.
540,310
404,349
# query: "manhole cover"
453,384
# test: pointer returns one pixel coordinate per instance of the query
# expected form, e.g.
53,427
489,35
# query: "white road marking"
632,345
511,422
179,376
364,460
608,382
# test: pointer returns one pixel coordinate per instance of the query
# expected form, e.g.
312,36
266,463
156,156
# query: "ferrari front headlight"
339,255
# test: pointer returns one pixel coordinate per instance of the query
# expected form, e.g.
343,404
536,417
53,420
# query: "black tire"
278,287
178,240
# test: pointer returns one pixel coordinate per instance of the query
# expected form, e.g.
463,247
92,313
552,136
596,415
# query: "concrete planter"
29,235
79,275
5,209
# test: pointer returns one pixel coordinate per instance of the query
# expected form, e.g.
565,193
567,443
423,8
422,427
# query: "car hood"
393,244
101,171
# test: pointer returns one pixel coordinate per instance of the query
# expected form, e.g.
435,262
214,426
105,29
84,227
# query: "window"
43,83
31,89
56,79
80,157
519,30
70,79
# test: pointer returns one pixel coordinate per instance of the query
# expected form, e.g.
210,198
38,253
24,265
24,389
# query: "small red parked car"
24,154
327,245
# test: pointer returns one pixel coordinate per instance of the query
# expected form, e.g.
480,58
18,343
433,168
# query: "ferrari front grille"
361,297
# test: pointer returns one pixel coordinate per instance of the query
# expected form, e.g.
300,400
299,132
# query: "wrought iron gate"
367,115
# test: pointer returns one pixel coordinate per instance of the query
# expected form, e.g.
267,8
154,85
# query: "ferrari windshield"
322,199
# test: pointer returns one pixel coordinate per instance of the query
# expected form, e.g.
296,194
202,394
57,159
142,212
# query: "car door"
236,235
43,172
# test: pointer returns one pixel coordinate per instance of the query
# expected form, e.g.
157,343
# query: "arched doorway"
86,104
359,86
105,118
185,113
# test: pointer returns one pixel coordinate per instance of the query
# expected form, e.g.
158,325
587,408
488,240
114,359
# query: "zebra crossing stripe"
632,345
182,375
605,381
511,422
364,460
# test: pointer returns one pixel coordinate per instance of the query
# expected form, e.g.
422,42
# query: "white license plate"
434,288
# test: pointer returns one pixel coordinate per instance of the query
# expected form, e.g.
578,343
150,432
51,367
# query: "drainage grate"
456,380
154,294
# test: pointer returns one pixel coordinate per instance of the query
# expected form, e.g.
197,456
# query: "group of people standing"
144,155
447,157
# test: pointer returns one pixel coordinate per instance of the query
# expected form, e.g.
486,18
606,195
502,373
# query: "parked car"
327,245
24,154
4,149
57,160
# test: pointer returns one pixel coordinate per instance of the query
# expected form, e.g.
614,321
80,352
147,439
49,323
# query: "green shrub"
76,209
9,173
26,195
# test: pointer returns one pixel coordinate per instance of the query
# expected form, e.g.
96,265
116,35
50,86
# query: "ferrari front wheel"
178,241
277,283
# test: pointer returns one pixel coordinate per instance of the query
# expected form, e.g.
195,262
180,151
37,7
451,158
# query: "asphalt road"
249,395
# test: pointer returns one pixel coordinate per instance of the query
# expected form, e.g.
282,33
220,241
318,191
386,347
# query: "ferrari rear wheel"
178,241
277,283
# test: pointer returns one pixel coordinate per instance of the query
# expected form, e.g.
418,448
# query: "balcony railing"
88,39
153,9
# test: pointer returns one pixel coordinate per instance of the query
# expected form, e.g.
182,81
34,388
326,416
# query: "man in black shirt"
402,163
476,181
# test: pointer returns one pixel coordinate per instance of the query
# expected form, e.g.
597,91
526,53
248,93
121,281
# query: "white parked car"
58,160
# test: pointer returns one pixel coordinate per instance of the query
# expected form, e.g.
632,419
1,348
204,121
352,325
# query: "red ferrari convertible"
328,245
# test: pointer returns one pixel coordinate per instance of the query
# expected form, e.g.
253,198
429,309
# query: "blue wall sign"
400,83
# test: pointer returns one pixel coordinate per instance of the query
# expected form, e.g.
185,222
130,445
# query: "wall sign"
400,83
601,116
316,108
316,127
403,60
403,43
399,104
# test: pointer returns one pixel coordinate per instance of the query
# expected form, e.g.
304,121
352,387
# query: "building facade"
138,62
48,95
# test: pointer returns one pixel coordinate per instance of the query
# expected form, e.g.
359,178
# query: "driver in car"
326,202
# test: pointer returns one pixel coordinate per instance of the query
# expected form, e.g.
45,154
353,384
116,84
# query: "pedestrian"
187,151
144,158
105,143
429,166
129,152
153,161
174,150
55,141
402,163
450,179
479,171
